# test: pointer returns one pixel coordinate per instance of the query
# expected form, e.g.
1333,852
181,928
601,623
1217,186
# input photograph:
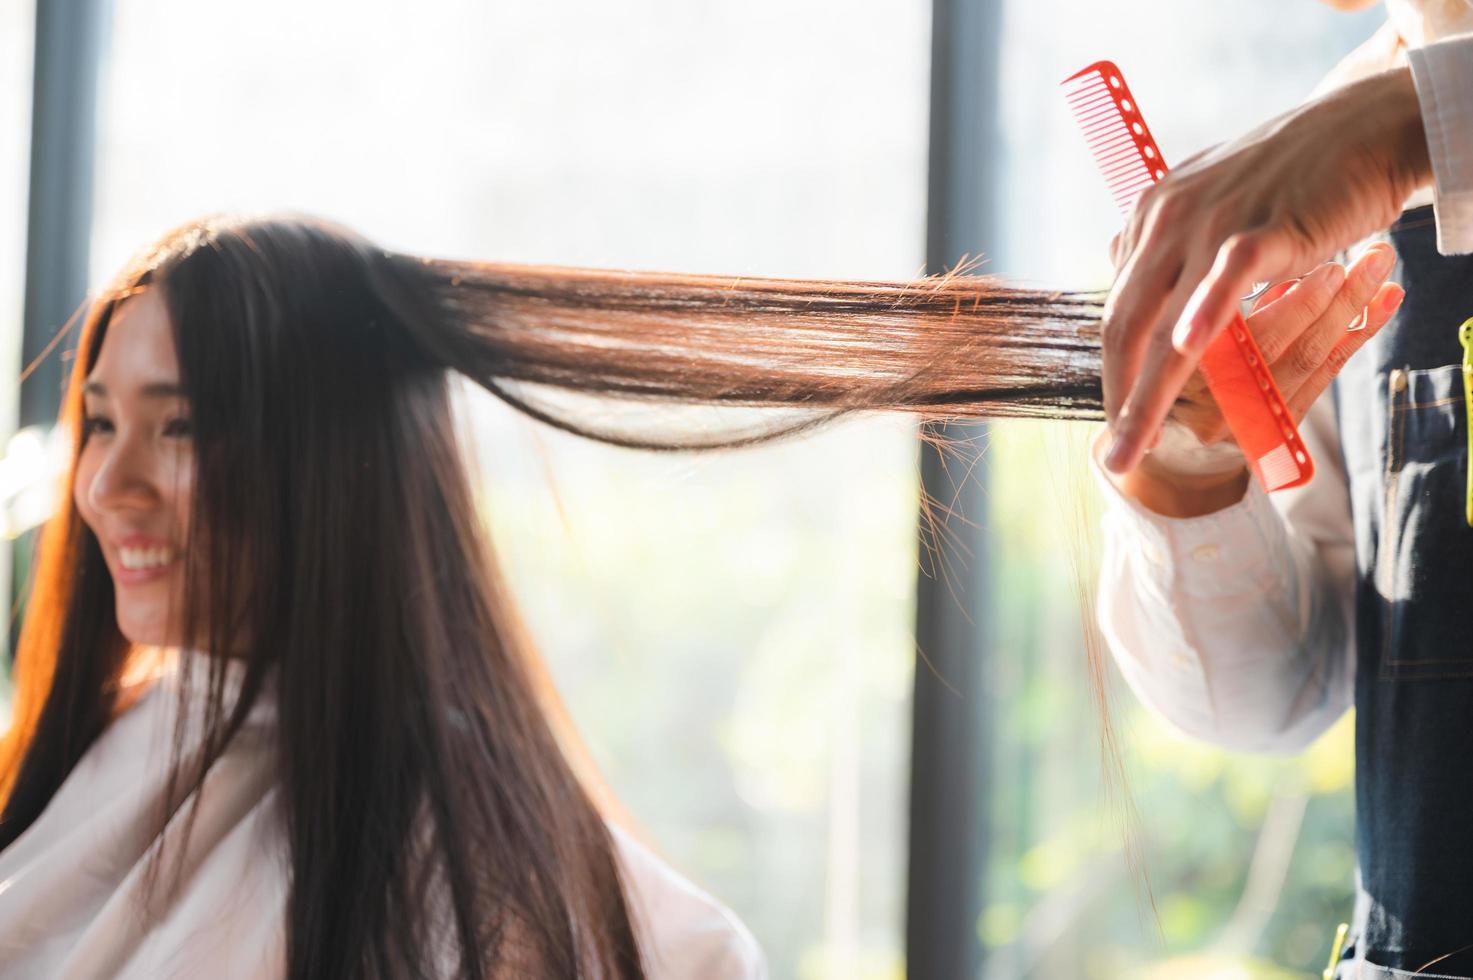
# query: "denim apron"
1403,427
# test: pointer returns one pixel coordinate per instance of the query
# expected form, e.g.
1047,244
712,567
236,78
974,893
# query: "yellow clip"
1465,335
1329,973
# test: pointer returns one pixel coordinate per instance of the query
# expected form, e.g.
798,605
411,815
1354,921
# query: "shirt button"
1398,381
1178,657
1205,552
1153,555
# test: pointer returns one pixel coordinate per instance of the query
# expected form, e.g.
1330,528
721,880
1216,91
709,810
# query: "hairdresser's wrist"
1175,494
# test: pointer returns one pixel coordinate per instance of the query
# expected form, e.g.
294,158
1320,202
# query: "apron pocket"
1424,573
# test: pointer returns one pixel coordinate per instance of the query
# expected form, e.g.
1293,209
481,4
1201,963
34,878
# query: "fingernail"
1378,266
1331,274
1391,296
1115,458
1361,321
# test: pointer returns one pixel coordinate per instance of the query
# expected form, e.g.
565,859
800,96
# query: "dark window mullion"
951,707
68,57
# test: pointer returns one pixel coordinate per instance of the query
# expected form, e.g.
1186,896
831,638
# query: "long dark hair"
413,745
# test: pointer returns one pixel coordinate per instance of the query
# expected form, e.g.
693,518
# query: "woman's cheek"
82,482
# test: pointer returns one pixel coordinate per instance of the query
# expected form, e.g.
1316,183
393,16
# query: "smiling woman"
135,471
268,487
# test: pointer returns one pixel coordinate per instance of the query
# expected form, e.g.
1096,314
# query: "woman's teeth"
136,558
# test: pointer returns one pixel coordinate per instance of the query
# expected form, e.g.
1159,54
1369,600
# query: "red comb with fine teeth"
1237,376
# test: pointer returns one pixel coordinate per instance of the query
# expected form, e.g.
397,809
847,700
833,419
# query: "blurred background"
736,634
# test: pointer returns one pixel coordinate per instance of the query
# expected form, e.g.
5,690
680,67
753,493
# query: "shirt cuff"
1230,552
1443,75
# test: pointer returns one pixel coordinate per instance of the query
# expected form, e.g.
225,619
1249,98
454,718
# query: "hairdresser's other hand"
1263,208
1307,329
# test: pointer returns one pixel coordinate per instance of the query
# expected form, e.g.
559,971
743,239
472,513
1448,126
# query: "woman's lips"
138,560
139,576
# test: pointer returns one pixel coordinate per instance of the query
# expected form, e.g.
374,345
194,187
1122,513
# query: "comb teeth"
1277,467
1117,135
1236,372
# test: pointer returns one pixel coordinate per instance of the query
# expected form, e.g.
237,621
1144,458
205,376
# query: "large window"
16,31
17,28
733,633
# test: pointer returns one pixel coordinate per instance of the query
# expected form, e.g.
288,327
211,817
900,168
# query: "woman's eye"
178,428
95,424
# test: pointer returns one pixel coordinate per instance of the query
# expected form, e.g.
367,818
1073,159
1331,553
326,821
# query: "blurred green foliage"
1063,901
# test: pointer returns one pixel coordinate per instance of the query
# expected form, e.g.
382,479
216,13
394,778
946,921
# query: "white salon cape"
69,884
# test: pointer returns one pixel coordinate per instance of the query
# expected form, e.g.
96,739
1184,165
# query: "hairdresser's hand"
1307,329
1275,202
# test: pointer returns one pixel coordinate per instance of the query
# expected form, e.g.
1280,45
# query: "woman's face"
135,474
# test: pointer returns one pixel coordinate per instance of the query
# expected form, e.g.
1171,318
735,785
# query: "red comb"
1236,374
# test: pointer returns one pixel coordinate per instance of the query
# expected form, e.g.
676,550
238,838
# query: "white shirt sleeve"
1443,74
1237,627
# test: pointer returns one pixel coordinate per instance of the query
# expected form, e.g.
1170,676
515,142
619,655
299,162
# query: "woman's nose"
123,480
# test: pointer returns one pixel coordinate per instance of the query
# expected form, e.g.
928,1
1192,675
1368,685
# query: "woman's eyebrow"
154,389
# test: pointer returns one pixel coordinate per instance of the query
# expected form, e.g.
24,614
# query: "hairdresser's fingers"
1243,259
1277,326
1272,294
1378,313
1142,217
1196,407
1161,377
1304,358
1143,287
1204,298
1116,249
1297,325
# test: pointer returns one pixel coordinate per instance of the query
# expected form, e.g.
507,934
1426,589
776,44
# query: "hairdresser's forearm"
1234,626
1252,663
